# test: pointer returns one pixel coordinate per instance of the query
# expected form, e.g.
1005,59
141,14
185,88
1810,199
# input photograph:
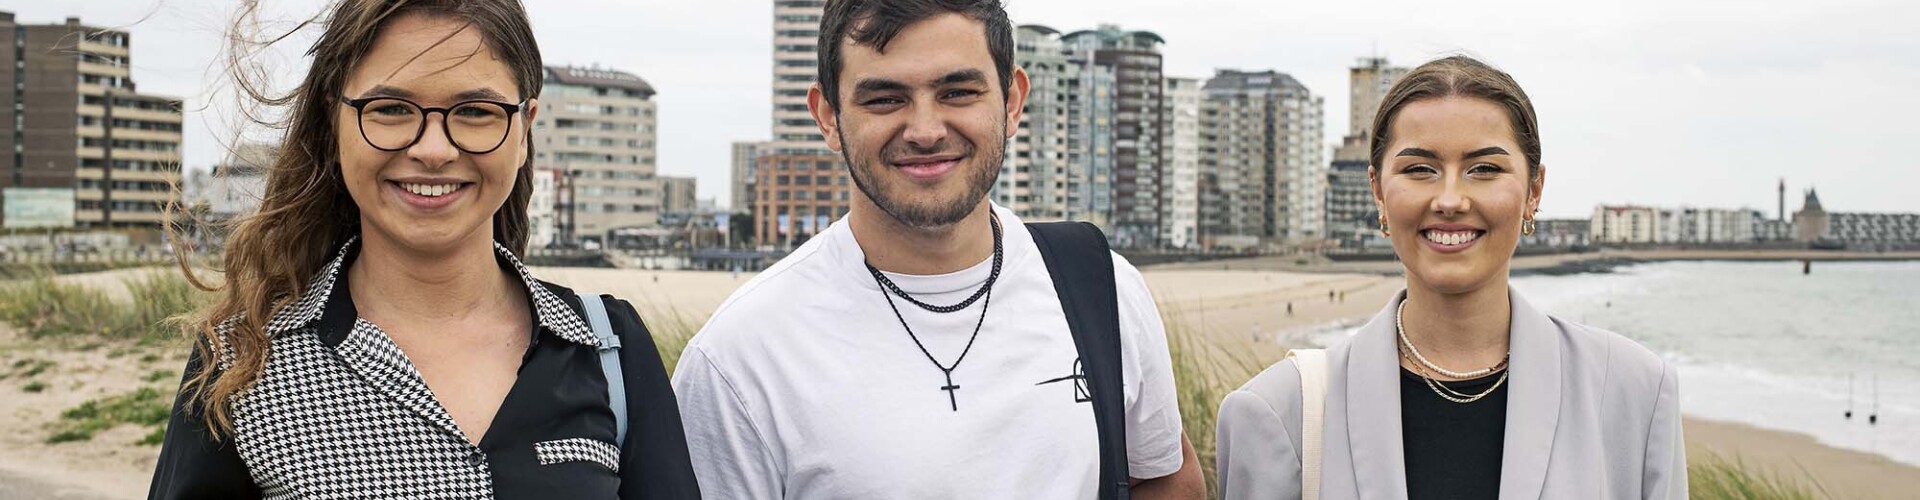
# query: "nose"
1452,199
926,128
434,149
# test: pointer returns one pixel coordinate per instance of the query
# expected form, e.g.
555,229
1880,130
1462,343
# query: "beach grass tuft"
1204,373
671,330
44,307
1715,477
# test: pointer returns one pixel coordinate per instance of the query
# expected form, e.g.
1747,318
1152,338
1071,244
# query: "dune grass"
1715,477
41,306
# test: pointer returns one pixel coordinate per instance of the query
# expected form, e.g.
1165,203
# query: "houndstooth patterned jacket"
340,412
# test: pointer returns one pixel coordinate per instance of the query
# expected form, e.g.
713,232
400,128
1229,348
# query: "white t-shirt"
804,384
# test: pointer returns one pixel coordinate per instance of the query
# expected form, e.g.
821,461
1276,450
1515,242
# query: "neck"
898,248
1459,331
392,283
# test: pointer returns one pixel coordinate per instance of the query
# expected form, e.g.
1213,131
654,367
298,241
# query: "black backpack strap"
1082,269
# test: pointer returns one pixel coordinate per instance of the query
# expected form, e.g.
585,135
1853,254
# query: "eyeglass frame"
360,109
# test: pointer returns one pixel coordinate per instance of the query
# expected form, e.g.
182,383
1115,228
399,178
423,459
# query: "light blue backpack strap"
609,362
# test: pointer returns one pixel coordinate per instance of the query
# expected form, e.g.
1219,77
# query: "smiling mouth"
1452,238
430,190
927,170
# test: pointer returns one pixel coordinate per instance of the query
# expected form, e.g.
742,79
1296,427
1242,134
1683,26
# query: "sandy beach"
1242,310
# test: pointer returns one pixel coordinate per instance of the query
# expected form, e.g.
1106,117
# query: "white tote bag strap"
1312,364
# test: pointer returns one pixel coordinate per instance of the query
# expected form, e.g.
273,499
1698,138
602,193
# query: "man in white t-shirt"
917,348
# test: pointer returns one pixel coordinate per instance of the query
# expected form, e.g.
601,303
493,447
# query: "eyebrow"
1486,151
873,85
1418,152
468,95
961,76
387,91
1423,153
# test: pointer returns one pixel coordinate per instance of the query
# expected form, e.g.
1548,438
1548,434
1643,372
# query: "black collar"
327,302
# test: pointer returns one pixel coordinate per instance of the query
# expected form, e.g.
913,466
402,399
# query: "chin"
1453,278
429,238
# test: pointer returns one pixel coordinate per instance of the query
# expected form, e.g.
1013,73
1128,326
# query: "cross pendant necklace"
888,289
950,387
952,400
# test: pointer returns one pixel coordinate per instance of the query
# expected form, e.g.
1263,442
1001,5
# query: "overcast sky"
1664,102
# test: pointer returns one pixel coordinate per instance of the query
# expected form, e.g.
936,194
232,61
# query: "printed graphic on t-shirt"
1079,378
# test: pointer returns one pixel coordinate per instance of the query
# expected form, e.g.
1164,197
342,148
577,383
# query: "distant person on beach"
377,335
930,344
1458,388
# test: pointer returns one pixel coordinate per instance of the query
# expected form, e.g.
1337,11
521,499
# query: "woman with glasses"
376,335
1458,388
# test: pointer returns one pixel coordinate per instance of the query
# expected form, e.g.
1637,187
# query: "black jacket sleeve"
655,463
192,464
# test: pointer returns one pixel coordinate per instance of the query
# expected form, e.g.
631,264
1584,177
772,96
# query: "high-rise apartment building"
796,35
1139,128
598,127
1263,167
798,185
1180,226
1059,163
72,119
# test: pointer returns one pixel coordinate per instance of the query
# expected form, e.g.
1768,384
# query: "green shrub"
145,406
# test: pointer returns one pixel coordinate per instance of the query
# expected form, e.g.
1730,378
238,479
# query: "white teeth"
1452,238
430,190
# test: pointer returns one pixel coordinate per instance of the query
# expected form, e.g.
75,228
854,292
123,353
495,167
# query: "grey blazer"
1590,414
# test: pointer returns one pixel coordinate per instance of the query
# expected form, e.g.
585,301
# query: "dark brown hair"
305,213
1467,77
874,23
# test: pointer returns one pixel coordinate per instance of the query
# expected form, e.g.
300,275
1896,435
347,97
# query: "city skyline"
1658,108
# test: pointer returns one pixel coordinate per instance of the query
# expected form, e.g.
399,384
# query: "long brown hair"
1467,77
305,213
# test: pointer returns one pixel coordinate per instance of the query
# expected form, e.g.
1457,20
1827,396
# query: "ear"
1373,184
1535,189
824,115
1017,99
533,111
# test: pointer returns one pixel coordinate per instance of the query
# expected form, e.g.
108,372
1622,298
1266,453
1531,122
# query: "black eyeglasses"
394,124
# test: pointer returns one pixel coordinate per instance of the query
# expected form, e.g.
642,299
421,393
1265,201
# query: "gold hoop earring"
1383,226
1528,226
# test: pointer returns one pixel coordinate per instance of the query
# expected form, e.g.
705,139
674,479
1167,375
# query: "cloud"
1699,102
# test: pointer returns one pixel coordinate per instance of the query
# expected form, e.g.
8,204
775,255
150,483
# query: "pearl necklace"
1401,327
1422,366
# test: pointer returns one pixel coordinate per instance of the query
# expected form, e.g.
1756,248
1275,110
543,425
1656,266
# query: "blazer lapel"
1373,408
1533,404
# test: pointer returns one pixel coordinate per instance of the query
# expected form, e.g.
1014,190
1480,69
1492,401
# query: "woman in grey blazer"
1458,388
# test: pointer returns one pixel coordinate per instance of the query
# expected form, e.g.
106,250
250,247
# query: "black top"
340,413
1453,449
